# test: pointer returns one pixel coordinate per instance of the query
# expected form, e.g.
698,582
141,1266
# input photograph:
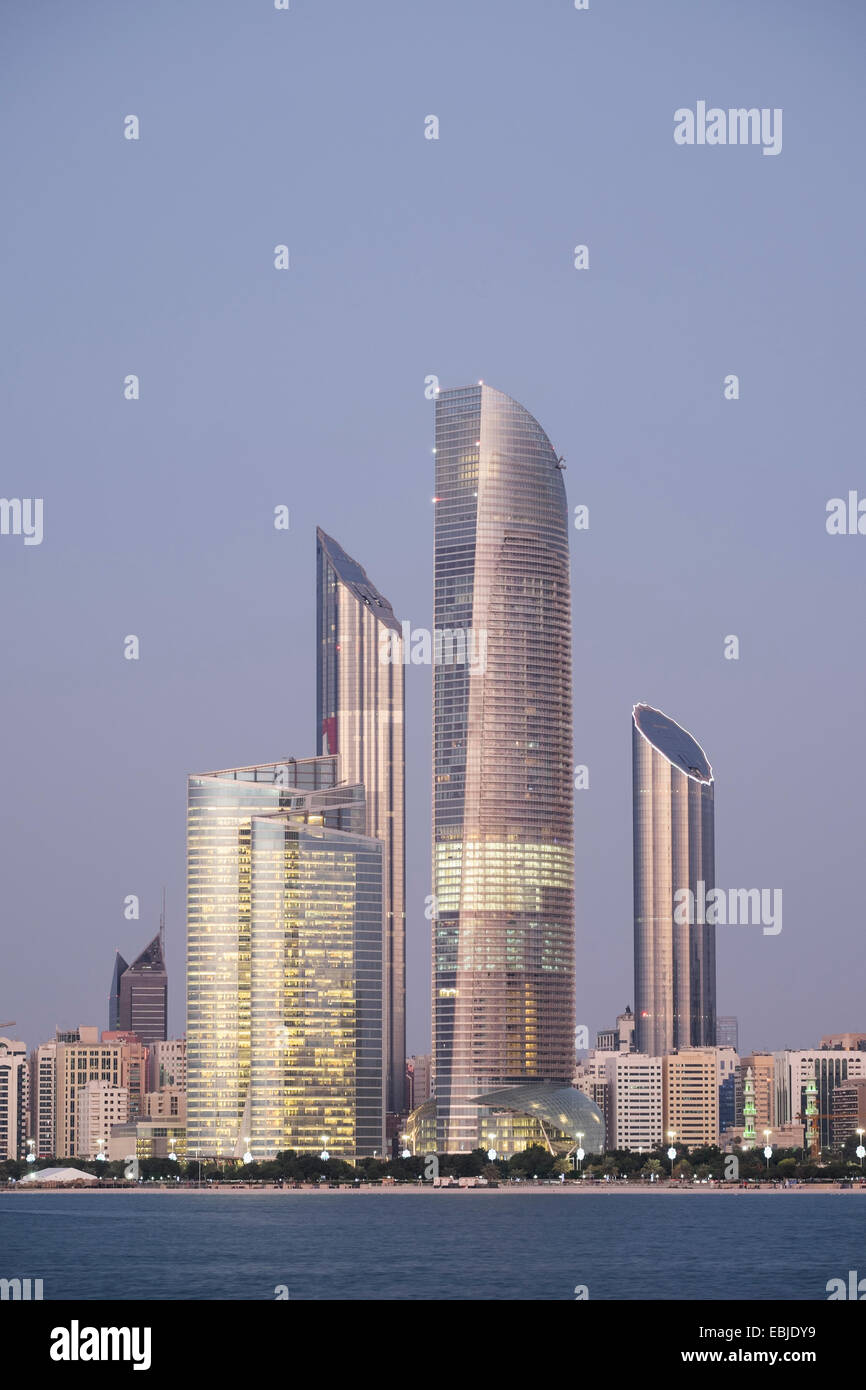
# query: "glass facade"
316,939
360,716
503,851
559,1118
247,914
674,849
120,965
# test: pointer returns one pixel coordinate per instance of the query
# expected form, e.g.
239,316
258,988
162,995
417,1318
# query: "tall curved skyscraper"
503,839
674,849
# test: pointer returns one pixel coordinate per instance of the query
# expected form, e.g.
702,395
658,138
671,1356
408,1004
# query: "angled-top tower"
142,1004
360,717
674,849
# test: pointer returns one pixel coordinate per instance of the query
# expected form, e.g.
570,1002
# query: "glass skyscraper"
316,961
503,845
284,963
360,716
674,849
120,965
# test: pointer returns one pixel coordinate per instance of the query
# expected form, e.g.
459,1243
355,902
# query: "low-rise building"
168,1103
143,1138
99,1106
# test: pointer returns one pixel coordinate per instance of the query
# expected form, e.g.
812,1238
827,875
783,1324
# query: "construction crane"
10,1024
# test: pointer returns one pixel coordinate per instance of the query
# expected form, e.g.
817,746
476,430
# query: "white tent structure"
59,1175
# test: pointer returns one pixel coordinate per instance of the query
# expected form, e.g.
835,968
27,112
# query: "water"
447,1245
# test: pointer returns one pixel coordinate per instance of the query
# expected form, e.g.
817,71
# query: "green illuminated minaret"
749,1136
812,1125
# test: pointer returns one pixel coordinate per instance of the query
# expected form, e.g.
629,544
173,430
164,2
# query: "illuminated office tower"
674,962
360,716
285,963
317,1069
503,847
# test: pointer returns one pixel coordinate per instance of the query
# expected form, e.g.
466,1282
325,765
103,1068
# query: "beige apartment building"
690,1089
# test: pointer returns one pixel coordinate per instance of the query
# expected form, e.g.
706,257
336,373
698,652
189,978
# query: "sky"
304,388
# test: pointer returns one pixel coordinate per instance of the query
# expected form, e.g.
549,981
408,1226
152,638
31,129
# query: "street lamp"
579,1153
491,1152
324,1155
768,1148
672,1153
860,1151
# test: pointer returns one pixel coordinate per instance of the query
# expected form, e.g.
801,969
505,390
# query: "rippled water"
448,1245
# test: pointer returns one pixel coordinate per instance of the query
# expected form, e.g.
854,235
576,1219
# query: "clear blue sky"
411,257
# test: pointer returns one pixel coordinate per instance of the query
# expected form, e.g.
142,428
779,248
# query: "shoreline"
521,1189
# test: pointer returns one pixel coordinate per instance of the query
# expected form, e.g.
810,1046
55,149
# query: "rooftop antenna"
162,923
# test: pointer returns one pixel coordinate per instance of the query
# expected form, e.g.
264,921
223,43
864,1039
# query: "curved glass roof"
562,1107
673,742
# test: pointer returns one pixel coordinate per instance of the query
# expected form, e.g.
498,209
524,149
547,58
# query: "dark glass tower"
114,996
360,716
503,843
674,849
142,1006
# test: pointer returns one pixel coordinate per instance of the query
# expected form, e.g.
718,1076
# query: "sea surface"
428,1246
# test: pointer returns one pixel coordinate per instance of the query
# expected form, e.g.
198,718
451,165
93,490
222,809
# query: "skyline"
707,516
396,624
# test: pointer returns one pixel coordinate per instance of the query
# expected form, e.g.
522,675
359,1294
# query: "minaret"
749,1135
813,1130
